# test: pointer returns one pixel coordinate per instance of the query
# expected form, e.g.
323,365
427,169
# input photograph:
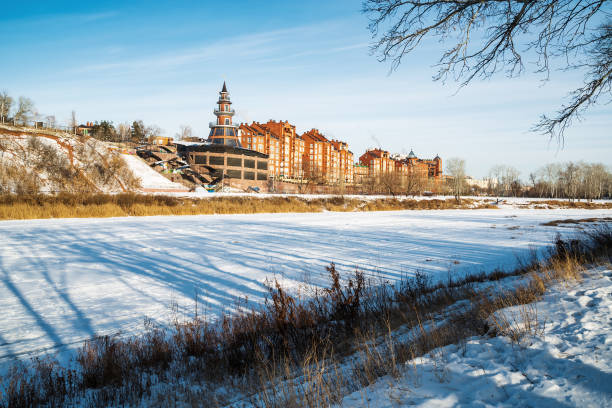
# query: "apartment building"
346,168
262,140
317,155
380,162
291,148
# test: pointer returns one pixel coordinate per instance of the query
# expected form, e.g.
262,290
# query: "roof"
316,135
411,155
224,87
183,143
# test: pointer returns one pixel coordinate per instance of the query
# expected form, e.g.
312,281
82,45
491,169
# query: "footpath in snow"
568,364
66,280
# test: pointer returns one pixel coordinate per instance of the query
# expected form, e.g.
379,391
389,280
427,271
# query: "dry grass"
295,352
587,205
556,223
63,165
67,205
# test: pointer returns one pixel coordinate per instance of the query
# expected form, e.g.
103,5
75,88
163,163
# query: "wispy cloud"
58,18
263,47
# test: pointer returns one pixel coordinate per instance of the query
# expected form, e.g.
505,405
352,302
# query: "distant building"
160,140
85,129
257,137
291,148
430,167
345,161
223,131
481,183
328,160
293,156
222,156
360,173
380,162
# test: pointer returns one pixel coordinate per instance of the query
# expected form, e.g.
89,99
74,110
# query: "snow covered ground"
568,364
149,178
65,280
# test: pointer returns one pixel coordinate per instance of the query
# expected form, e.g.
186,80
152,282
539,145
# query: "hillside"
150,180
33,161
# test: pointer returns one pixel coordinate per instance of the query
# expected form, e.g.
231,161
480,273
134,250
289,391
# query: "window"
249,163
262,165
234,161
227,121
200,159
218,160
233,174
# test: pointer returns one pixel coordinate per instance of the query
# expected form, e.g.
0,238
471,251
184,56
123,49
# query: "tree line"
570,180
22,111
136,132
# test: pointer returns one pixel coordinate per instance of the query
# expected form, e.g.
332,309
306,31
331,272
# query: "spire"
411,155
223,131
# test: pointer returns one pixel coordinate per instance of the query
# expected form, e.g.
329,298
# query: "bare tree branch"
489,36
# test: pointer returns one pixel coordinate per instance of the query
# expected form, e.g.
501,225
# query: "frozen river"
65,280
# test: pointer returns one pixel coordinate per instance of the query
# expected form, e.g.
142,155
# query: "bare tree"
571,177
124,130
6,102
153,130
573,180
184,132
25,110
489,36
391,183
73,122
414,182
50,121
507,180
455,168
594,177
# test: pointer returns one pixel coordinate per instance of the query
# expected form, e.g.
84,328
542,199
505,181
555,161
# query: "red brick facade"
380,162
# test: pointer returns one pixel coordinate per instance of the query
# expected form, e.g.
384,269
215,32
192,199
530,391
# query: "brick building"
293,156
291,148
330,160
262,140
317,155
222,157
380,162
345,161
429,167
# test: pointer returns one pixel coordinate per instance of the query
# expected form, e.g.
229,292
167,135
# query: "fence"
33,124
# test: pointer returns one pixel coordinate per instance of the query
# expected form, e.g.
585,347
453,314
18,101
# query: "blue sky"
307,62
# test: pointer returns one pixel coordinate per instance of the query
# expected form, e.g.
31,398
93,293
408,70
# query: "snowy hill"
567,364
34,161
149,178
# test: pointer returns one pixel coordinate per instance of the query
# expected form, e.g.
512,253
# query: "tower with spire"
223,131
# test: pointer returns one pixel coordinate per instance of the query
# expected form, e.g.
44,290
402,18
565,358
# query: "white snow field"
66,280
567,364
149,178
